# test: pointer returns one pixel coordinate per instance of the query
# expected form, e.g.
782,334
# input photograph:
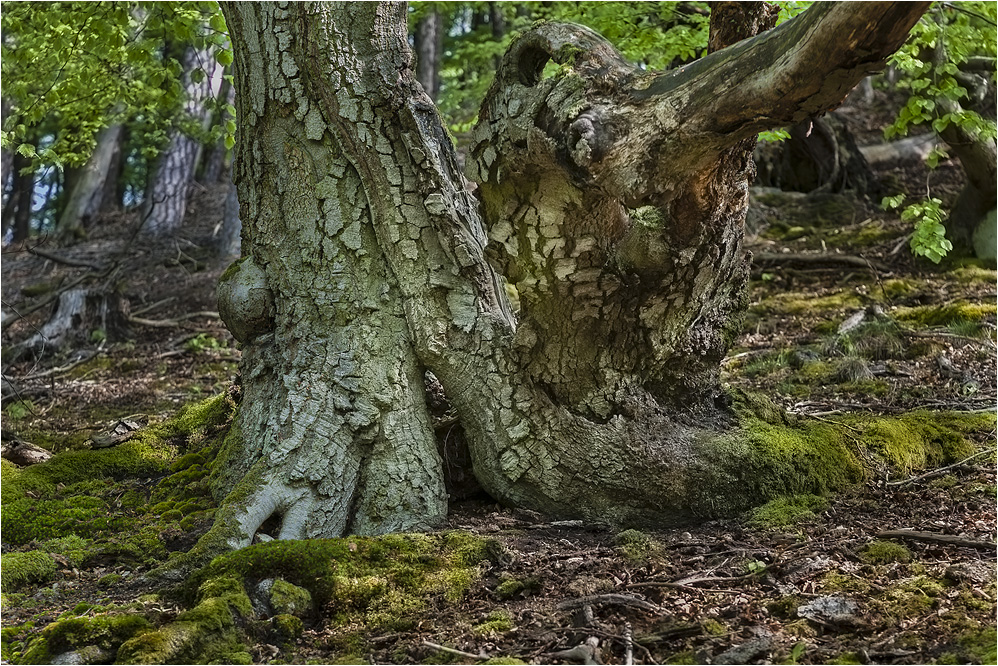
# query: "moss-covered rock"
103,632
21,569
497,622
288,599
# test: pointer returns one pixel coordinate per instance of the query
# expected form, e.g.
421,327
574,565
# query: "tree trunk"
229,241
214,170
165,199
611,197
23,192
428,44
85,198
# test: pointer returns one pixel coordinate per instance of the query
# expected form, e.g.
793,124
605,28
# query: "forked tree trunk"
611,197
86,197
165,199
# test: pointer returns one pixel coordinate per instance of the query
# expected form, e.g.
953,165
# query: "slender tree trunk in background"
497,21
214,170
110,197
612,197
229,242
22,193
165,199
428,45
85,195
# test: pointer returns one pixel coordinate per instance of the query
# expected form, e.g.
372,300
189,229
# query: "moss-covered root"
205,634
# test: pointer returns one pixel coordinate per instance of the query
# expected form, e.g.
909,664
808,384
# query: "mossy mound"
20,569
787,511
773,454
100,635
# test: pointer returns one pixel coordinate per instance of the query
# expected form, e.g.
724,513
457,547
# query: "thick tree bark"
165,199
86,196
611,197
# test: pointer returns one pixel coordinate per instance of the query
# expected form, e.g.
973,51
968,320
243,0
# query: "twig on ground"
170,323
939,470
628,645
459,653
677,586
152,307
608,599
934,537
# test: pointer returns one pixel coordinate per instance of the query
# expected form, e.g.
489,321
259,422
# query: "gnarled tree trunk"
612,198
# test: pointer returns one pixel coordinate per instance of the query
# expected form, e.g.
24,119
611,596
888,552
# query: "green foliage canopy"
72,68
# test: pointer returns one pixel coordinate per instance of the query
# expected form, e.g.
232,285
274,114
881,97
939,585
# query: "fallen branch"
458,653
628,645
61,369
934,537
939,470
75,263
797,258
171,323
155,305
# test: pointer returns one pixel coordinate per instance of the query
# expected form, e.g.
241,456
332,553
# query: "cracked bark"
613,199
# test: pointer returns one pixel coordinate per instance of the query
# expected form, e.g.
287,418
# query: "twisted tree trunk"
612,198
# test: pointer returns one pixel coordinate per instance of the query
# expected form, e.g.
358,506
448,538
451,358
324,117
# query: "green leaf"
224,57
217,22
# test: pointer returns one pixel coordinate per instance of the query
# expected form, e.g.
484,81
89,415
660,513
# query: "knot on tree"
245,303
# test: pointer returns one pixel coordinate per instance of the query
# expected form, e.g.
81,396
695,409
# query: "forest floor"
842,321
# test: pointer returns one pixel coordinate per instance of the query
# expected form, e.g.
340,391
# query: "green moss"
919,439
388,580
109,580
945,315
21,569
910,598
684,657
787,511
713,627
634,545
74,548
510,587
799,303
207,633
846,658
105,632
287,627
497,622
978,646
288,599
885,552
972,273
505,660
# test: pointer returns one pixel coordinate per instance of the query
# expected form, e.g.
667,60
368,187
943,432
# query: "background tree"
54,113
611,196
